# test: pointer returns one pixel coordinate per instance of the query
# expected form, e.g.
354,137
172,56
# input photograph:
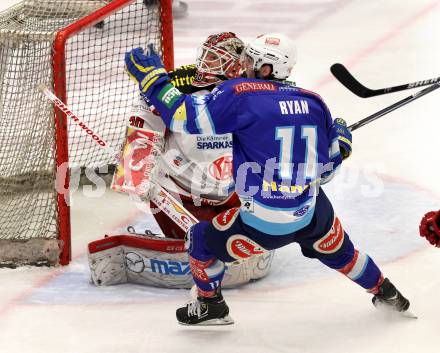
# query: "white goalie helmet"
274,49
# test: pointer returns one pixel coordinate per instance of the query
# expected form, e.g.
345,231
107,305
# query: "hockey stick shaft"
393,107
161,198
342,74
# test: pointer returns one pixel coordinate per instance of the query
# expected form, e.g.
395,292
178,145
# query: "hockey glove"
430,228
344,137
145,69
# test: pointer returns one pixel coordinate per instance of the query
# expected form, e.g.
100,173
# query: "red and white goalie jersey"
193,166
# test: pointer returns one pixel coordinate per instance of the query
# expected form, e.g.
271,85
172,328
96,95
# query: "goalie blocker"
161,262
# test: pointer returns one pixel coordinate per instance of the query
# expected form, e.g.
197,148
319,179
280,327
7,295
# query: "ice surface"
380,195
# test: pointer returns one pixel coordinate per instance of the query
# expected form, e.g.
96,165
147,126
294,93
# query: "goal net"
77,48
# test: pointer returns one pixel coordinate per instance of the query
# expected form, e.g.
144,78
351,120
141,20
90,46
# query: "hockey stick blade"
347,79
352,84
393,107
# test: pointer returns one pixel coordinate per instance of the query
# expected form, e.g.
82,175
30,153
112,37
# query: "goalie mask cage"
76,47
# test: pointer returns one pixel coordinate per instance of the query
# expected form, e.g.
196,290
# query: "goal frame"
60,90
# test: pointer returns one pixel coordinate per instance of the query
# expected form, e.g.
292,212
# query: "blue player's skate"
389,298
204,312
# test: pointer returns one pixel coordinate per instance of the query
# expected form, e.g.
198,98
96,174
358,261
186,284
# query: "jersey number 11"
306,145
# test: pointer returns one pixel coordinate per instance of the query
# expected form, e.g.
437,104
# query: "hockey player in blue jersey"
285,144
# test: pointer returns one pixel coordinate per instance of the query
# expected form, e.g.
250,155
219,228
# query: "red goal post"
76,47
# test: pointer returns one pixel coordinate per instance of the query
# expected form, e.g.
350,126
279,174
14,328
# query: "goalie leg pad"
251,269
107,267
147,260
162,262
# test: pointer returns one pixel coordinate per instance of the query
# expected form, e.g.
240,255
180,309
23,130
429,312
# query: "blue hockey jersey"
284,145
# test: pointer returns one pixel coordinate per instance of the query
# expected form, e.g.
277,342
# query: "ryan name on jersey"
292,107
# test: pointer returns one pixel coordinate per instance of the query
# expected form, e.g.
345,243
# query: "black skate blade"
227,320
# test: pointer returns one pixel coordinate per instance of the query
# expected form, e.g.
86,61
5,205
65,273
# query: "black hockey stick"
346,78
394,106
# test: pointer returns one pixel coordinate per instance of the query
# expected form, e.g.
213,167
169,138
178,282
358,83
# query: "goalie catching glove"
145,69
430,228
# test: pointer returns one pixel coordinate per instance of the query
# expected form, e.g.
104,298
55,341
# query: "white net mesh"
98,91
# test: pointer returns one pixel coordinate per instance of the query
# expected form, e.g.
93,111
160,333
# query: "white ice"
380,195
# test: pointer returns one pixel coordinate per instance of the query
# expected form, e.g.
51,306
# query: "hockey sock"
359,267
207,275
206,269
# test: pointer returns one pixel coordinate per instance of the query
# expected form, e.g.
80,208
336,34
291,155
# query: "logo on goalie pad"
137,263
170,267
332,241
